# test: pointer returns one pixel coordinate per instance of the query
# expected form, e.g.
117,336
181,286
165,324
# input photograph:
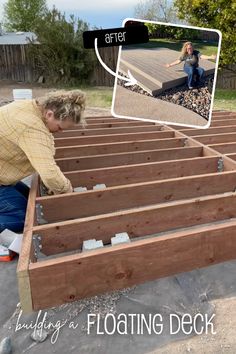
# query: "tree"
60,56
215,14
23,15
156,10
173,32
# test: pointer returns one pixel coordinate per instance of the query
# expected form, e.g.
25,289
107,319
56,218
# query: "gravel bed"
197,99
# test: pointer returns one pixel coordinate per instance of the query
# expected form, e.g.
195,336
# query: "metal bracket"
37,245
220,165
39,214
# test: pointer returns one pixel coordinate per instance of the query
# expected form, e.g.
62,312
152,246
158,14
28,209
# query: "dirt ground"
224,341
6,88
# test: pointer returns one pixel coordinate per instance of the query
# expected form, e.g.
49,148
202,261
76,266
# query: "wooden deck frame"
176,199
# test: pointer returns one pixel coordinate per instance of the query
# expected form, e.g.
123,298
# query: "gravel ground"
197,99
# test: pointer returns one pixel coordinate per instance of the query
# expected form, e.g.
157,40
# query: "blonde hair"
184,48
65,105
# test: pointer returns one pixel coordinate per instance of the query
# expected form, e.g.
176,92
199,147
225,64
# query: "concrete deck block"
122,237
99,186
80,189
92,244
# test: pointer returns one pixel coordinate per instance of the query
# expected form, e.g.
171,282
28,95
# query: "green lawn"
98,96
225,99
206,48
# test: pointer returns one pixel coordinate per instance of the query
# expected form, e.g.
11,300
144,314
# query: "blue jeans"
191,71
13,203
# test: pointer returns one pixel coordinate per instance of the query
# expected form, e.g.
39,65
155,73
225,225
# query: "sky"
100,13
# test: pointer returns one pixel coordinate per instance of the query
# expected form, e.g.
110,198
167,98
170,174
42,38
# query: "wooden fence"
226,78
101,77
15,64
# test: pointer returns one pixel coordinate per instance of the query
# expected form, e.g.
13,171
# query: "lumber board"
232,156
91,203
68,278
223,122
119,175
101,131
216,138
26,254
99,139
143,221
136,157
224,148
126,146
132,123
209,131
103,117
231,115
228,164
107,120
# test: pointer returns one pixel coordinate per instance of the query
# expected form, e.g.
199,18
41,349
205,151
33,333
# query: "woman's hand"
167,65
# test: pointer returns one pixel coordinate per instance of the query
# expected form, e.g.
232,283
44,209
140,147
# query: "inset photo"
174,75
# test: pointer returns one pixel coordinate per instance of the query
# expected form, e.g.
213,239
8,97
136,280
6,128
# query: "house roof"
17,38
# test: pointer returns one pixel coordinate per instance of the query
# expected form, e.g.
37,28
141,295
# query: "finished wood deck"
148,67
172,189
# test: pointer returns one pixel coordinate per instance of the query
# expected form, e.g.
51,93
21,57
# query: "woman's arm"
38,148
176,62
213,56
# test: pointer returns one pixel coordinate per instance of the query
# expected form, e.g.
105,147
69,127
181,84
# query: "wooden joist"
216,138
125,146
152,171
112,199
101,131
98,139
210,131
122,266
132,123
130,158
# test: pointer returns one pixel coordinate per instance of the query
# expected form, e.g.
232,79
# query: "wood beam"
113,176
27,254
83,275
216,138
91,203
110,148
224,148
143,221
113,125
100,139
101,131
224,115
136,157
209,131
